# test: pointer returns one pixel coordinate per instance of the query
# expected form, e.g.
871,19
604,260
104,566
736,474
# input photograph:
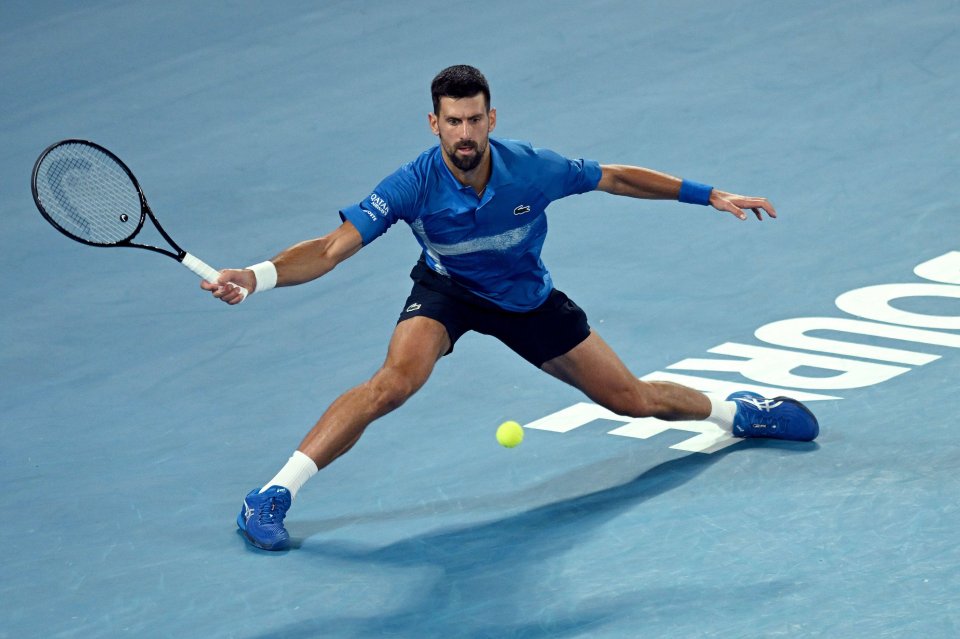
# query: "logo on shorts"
520,210
413,307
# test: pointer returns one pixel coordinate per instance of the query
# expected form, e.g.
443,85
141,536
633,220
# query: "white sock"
294,474
722,413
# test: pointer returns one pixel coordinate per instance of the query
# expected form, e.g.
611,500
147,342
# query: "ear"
434,123
493,120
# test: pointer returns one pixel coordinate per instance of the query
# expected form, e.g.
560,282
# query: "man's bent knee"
390,388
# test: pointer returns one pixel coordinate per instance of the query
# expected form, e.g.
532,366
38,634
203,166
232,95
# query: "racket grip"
206,271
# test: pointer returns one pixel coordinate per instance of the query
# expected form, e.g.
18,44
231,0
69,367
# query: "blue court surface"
137,411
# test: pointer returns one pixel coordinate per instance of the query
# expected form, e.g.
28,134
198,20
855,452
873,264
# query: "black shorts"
548,331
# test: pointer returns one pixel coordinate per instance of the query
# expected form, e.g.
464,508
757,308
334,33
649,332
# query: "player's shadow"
480,577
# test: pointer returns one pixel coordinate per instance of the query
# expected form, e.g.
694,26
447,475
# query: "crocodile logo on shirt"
520,210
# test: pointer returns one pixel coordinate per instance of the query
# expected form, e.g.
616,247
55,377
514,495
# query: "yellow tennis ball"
510,434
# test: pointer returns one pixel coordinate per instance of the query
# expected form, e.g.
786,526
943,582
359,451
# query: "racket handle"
206,271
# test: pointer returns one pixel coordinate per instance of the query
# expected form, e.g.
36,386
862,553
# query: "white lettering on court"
779,371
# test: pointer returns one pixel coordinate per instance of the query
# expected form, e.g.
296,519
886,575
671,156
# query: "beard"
470,162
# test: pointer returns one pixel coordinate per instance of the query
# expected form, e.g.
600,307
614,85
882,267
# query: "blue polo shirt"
491,244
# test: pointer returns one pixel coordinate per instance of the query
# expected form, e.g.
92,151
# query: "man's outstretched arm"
298,264
635,181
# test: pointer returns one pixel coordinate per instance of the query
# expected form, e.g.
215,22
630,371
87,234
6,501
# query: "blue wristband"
695,193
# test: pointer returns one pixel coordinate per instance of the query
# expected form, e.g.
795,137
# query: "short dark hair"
459,81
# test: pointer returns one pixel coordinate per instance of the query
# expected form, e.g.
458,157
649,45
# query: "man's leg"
415,347
595,369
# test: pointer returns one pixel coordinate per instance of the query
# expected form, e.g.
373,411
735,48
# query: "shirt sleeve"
395,198
568,177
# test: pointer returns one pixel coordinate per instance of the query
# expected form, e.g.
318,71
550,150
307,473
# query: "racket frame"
198,266
177,253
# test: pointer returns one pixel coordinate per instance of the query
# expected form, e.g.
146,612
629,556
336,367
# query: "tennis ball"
510,434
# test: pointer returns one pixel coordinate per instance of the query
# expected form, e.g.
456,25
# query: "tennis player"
477,207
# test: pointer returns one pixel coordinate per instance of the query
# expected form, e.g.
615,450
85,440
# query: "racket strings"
88,194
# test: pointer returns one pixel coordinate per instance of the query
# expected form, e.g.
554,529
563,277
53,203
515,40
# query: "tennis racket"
88,194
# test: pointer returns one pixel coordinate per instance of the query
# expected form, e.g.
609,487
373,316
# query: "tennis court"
137,412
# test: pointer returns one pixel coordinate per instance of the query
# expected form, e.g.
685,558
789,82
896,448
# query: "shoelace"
266,513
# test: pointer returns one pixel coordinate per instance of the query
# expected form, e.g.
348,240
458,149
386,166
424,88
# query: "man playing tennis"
476,205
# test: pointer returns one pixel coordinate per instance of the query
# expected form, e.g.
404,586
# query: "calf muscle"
414,349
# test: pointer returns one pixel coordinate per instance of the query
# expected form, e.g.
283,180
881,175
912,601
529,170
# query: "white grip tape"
206,271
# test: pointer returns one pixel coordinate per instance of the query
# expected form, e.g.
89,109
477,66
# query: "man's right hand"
226,289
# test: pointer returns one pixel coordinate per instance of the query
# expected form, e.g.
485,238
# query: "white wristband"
266,274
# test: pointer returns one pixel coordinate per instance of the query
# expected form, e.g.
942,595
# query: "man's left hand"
736,204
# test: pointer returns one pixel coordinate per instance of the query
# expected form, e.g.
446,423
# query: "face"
463,126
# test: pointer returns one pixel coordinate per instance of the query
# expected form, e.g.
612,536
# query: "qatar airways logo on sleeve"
380,204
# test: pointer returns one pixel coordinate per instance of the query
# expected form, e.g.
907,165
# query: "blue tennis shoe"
261,518
778,418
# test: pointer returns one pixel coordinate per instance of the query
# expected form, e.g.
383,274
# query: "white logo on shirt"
520,210
501,242
380,204
370,214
